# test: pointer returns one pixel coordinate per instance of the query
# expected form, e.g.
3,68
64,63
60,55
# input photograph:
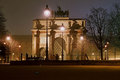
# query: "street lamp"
19,46
62,29
47,13
82,47
4,43
8,38
106,50
81,38
13,56
93,54
105,46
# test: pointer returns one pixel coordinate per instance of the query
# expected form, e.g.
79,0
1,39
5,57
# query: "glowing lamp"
105,46
47,11
81,38
19,46
62,29
8,38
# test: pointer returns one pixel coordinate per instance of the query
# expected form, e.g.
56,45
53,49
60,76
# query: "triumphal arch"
74,28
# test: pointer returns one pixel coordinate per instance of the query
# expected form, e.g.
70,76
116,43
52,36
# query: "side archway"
58,47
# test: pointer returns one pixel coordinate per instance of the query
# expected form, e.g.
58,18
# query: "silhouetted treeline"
104,26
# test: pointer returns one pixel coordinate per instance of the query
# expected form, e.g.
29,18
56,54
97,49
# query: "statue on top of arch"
60,13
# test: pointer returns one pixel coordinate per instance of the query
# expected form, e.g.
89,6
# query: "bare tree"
3,30
97,24
114,22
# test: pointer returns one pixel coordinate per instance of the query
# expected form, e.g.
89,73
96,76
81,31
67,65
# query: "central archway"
58,47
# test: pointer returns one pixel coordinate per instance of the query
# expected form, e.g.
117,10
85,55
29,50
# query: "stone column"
79,45
69,45
33,43
38,43
82,44
74,43
51,44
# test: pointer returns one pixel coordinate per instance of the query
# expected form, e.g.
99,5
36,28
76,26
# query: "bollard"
21,56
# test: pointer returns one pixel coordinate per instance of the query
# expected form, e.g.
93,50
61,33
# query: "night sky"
20,13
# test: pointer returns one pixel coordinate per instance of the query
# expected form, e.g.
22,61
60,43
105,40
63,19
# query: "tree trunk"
101,53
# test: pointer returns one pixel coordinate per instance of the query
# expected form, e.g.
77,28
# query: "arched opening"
58,47
42,52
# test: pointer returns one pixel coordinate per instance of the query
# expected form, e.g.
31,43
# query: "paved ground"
59,72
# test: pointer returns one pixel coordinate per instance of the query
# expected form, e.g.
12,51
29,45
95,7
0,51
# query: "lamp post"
82,47
13,56
93,54
106,51
19,46
8,39
62,29
47,14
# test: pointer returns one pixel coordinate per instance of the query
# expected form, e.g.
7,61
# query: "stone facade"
74,28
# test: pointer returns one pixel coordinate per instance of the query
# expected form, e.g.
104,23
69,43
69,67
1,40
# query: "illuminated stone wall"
54,22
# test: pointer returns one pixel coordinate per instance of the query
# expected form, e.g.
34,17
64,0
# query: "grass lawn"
59,72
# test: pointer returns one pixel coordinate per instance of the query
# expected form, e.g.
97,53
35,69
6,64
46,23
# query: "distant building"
20,44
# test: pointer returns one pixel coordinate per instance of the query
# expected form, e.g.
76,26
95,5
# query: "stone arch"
58,46
74,28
